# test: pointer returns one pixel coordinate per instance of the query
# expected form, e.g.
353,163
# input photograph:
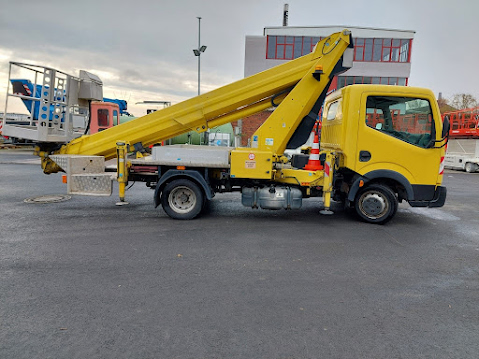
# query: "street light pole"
199,56
198,52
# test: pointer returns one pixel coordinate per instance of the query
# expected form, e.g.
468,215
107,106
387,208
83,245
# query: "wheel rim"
373,205
182,199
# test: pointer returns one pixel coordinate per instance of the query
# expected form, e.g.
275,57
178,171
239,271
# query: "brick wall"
251,124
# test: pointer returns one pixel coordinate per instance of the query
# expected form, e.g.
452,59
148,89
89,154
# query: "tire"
376,203
182,199
471,167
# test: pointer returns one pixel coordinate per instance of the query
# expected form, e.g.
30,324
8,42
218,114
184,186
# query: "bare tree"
442,102
462,101
444,105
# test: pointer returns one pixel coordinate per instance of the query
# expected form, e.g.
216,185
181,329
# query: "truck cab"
103,116
386,137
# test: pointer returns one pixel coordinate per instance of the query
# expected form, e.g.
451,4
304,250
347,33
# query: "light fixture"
198,51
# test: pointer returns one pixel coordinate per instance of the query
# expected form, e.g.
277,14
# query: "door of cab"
396,132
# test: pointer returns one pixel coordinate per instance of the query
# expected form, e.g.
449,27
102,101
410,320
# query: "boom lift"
369,167
463,149
464,123
61,106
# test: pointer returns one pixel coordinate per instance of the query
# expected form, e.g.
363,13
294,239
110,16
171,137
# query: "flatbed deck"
187,155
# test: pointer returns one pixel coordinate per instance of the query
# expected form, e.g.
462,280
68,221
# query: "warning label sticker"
250,164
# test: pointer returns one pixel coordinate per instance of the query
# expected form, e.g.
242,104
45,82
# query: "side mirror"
446,126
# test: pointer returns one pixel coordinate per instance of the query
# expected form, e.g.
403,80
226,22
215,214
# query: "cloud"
131,75
145,47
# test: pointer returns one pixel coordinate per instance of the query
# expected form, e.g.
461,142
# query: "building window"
404,52
314,41
289,47
307,44
284,47
382,50
359,49
298,46
366,50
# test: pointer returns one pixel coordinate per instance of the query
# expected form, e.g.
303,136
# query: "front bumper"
438,200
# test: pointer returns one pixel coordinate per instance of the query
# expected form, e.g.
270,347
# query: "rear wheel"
182,199
376,203
471,167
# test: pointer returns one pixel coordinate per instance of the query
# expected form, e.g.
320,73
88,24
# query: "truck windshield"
406,118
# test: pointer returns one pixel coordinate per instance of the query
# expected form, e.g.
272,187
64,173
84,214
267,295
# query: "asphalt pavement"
84,278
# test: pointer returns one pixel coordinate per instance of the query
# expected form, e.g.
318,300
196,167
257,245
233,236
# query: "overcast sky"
142,49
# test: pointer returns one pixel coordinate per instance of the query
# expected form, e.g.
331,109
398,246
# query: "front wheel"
376,203
182,199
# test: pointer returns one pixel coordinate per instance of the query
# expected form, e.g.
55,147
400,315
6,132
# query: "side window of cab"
408,119
103,117
333,111
116,119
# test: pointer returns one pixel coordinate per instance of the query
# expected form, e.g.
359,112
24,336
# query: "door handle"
364,156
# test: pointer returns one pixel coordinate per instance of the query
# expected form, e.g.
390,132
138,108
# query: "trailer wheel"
471,167
376,203
182,199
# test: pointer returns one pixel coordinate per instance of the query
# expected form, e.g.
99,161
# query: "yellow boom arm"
226,104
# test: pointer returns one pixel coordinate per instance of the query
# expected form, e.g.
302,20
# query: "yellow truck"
380,145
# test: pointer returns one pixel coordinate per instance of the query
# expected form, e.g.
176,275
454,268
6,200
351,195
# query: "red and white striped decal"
25,86
327,166
27,90
441,165
1,130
